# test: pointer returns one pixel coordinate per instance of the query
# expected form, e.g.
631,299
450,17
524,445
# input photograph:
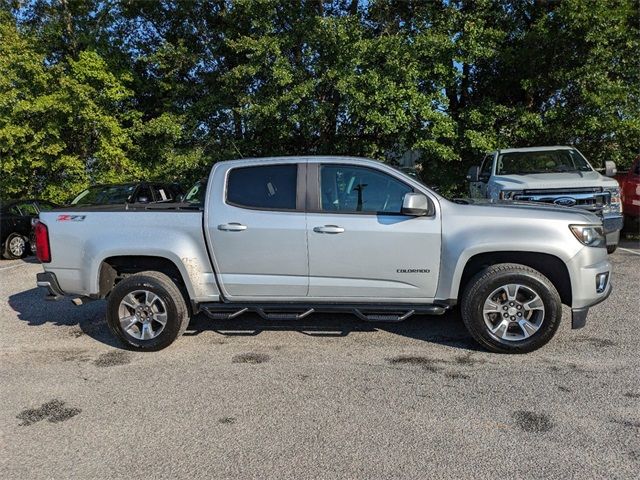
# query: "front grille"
592,199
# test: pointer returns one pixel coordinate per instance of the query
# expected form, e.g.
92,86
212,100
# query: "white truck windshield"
543,161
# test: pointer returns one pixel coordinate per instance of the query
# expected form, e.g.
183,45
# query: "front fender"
469,231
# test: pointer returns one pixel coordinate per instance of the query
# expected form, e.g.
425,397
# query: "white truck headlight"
509,194
616,204
589,235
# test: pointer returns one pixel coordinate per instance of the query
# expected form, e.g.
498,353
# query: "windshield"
544,161
196,193
104,195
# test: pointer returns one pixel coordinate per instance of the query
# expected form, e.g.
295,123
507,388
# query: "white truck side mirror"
610,169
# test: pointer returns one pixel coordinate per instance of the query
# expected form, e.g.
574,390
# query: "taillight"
43,252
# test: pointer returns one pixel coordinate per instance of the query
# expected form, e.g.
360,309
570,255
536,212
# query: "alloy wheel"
513,312
142,314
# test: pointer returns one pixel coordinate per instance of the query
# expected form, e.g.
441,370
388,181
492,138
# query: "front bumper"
584,269
49,281
612,223
579,315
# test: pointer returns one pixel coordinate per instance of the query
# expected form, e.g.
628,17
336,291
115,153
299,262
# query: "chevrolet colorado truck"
287,237
556,175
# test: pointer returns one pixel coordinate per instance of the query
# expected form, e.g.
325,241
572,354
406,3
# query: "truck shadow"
31,307
446,330
89,320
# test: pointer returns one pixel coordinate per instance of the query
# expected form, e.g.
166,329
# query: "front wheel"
611,248
147,311
511,308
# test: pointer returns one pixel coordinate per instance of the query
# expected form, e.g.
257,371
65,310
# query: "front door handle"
329,229
232,227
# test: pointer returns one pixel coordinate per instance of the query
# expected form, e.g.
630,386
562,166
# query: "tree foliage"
108,90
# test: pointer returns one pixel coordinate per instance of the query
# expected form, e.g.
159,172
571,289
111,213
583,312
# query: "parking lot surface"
326,397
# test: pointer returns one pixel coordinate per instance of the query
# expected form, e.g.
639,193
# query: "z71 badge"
71,218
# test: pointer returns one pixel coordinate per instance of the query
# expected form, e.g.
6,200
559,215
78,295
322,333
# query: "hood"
554,180
527,208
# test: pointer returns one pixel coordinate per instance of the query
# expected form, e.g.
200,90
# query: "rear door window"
143,195
28,209
268,187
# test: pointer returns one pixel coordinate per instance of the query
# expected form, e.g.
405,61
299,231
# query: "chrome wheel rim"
513,312
17,246
143,314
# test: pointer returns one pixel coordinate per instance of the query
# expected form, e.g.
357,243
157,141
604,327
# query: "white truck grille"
592,199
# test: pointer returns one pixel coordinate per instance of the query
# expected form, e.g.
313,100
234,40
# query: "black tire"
7,251
481,286
611,248
174,303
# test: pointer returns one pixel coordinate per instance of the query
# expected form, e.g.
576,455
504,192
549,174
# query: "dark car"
139,192
15,225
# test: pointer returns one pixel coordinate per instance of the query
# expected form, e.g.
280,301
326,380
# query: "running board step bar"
296,311
384,317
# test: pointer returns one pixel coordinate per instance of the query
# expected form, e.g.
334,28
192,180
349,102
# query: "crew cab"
558,175
286,237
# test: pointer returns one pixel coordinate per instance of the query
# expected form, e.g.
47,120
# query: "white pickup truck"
555,175
286,237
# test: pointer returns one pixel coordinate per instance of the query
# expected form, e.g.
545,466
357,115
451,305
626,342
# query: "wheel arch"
113,269
548,265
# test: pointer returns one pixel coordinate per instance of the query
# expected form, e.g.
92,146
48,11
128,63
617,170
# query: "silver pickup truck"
286,237
556,175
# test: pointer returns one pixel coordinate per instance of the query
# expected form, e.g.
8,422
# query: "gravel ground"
327,397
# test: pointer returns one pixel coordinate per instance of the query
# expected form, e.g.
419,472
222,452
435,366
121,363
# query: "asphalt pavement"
325,397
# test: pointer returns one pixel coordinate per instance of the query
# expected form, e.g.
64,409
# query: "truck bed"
82,238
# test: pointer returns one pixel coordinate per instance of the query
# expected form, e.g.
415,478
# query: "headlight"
509,194
589,235
616,204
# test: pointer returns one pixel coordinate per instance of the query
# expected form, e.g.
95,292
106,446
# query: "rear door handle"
232,227
328,229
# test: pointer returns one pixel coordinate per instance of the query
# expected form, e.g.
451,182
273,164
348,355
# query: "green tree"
62,125
561,73
106,90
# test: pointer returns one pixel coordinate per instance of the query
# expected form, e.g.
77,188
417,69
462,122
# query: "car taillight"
43,252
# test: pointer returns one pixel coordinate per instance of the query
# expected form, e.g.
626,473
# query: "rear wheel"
611,248
147,311
511,308
15,247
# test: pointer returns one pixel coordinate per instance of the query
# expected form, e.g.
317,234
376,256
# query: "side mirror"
474,174
610,169
416,204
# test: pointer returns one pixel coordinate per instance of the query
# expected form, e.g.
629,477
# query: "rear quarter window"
268,187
